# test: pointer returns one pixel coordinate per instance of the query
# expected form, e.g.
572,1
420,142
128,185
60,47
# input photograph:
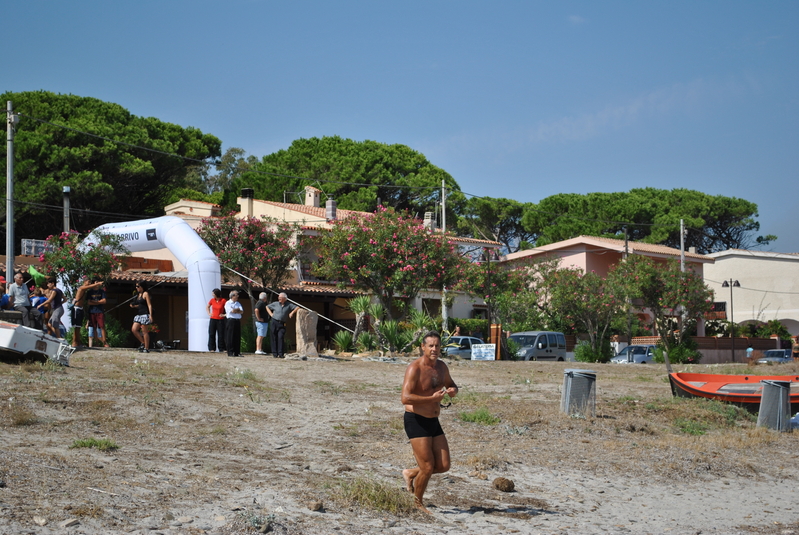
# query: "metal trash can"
775,406
579,392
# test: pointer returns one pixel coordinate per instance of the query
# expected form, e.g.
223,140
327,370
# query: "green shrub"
513,348
366,342
584,353
479,416
343,340
83,339
116,334
468,326
248,335
684,353
102,444
690,427
391,330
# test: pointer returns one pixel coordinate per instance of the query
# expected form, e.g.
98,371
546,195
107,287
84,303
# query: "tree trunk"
360,319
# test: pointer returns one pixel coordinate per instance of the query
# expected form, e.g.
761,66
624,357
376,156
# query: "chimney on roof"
330,209
429,221
247,196
692,250
312,196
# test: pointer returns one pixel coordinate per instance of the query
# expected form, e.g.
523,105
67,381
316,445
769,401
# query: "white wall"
769,285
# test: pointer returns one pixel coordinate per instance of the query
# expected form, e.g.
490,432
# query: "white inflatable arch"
203,266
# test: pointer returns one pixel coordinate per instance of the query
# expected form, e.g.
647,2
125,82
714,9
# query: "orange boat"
742,390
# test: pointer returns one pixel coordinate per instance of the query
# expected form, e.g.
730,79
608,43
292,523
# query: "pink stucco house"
590,253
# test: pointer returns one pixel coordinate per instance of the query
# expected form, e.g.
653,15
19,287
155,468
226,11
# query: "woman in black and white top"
233,311
143,318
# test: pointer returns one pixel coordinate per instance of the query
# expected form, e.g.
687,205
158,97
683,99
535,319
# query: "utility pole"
11,121
629,299
682,245
66,191
444,313
682,268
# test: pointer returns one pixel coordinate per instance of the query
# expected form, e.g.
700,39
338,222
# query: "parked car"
776,356
635,354
540,345
461,346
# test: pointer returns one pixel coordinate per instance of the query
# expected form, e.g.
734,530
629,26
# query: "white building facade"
769,286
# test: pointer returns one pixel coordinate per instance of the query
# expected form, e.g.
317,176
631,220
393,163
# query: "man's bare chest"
431,380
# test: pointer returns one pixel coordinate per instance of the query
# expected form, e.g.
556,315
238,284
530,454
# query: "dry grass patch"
371,493
486,461
102,444
240,377
87,510
479,416
19,416
470,397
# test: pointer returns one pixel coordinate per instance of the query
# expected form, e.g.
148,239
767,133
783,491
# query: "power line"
84,211
742,287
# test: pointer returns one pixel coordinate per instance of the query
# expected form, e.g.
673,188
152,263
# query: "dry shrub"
486,462
372,493
19,416
89,510
752,361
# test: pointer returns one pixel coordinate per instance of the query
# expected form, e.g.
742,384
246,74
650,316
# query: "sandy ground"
213,444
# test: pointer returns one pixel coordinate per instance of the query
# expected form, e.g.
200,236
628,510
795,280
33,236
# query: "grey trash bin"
579,392
775,405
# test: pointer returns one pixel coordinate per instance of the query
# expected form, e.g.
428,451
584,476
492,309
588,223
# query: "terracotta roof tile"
609,243
317,211
343,214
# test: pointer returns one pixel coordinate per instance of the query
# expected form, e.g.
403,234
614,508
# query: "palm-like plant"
360,307
421,323
377,311
343,340
366,342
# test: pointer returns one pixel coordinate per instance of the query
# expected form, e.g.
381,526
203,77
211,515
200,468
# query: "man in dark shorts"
77,309
96,299
426,382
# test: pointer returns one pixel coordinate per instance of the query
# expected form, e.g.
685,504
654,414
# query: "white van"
540,345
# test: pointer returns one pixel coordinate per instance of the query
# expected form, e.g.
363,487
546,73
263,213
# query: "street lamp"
731,284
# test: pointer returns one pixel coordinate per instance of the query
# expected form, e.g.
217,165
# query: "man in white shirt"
233,311
19,296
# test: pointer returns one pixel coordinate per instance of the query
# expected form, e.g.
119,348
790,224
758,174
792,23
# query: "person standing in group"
96,300
427,381
55,300
280,312
78,304
233,312
261,323
216,324
143,318
19,296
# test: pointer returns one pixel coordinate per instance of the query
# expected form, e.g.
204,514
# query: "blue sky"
517,99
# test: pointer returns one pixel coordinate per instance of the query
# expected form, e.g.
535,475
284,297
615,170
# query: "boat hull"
742,390
20,341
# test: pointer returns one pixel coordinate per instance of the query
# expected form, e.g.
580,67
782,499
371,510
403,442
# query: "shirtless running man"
426,382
